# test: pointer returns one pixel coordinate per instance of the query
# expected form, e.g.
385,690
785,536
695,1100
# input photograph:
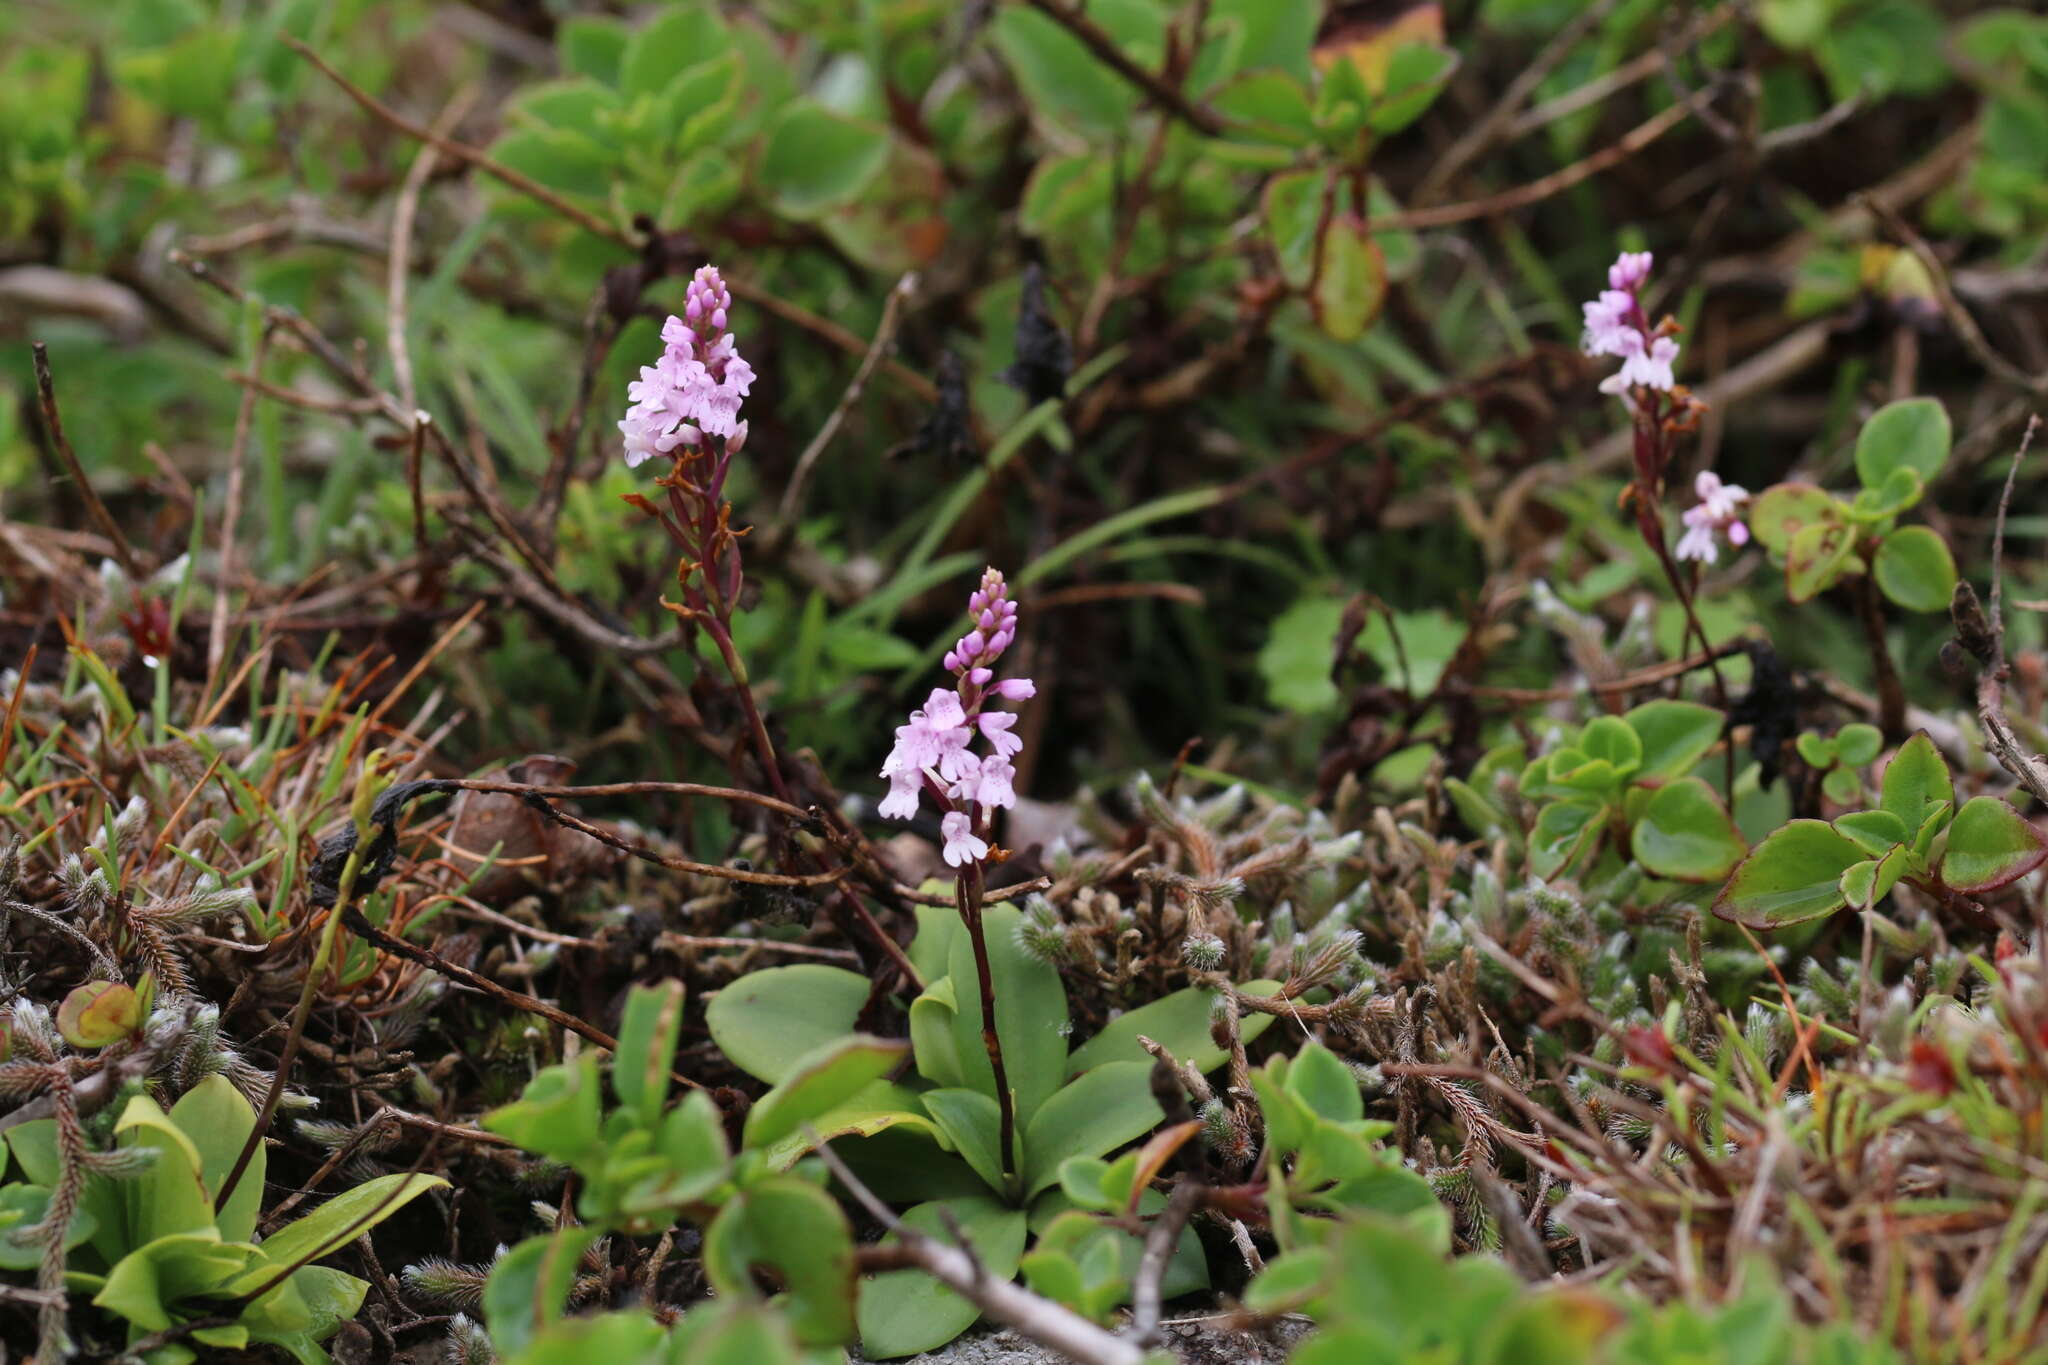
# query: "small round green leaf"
1856,743
1912,433
1352,285
1816,558
1794,875
1990,845
1915,569
1784,510
98,1013
1686,835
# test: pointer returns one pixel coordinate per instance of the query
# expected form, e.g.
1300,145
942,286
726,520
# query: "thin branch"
1051,1325
885,334
1105,48
1966,328
1160,1241
447,146
398,264
1535,191
53,426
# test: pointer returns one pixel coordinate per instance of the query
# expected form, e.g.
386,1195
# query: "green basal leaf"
218,1120
903,1312
1912,433
1179,1022
1031,1015
1914,569
768,1021
1096,1112
1685,834
558,1115
972,1122
1794,875
1866,883
1990,845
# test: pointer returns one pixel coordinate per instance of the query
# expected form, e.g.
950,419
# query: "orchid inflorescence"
694,389
932,751
1660,408
1718,512
686,406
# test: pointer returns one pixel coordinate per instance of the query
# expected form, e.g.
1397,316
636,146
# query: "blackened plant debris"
947,430
1770,708
1044,355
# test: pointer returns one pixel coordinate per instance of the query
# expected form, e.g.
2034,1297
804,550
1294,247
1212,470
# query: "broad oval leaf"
1794,875
1914,569
1912,433
768,1021
1990,845
98,1013
1565,831
1685,834
1031,1015
1179,1021
1615,740
973,1123
903,1312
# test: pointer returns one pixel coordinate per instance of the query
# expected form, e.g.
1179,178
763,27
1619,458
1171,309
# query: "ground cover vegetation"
735,682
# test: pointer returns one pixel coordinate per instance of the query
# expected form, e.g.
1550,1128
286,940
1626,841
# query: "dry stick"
1966,328
519,1000
470,155
1111,54
398,263
2027,767
231,516
1535,191
1485,133
1891,692
885,333
1160,1242
1052,1325
589,222
53,425
322,955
